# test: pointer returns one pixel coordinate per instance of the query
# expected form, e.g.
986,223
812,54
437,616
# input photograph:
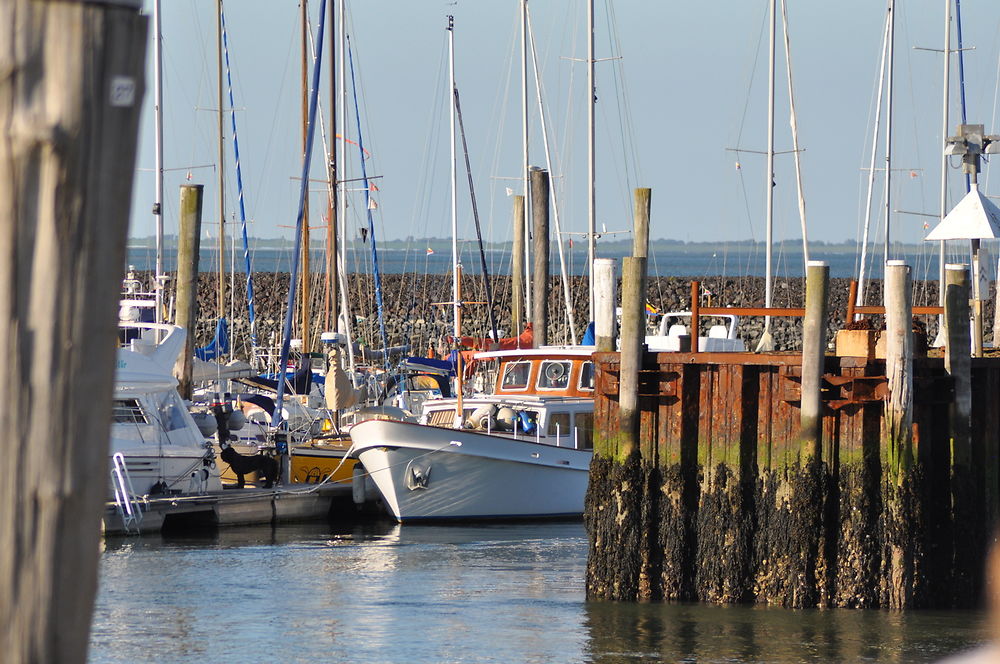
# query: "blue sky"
691,82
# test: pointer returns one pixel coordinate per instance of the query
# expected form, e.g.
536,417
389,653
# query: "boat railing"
126,502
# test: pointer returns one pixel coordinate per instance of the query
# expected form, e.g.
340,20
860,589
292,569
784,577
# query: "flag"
510,192
651,310
372,205
429,251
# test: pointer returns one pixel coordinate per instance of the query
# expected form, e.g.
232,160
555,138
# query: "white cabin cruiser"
156,446
522,452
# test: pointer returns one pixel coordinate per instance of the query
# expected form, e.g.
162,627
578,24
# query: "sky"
679,87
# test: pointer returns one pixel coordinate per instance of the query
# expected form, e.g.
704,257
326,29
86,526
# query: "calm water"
744,261
503,593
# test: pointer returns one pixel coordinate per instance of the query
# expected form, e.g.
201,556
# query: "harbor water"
495,593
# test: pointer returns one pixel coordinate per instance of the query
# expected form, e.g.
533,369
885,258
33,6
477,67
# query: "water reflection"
496,593
622,632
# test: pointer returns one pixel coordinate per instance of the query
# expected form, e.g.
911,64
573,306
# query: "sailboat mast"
332,285
524,165
305,301
888,127
158,128
221,170
456,287
945,89
591,163
343,323
768,285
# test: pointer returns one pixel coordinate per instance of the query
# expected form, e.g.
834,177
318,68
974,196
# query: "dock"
232,507
729,494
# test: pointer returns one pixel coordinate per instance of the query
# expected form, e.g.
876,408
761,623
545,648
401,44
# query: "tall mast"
344,322
456,294
332,287
591,170
158,123
888,126
221,170
524,149
945,89
766,343
305,301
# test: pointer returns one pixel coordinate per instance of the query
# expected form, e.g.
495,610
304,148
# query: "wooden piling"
695,315
517,269
967,519
813,358
640,217
540,218
72,88
899,368
900,490
188,252
606,301
632,344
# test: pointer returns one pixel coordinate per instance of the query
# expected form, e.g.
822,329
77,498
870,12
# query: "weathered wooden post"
540,218
902,513
517,270
640,216
188,250
72,91
632,345
958,363
813,359
605,302
618,495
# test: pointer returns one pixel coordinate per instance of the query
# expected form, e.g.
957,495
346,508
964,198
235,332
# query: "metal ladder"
129,506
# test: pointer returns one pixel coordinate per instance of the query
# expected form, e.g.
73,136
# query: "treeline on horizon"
623,246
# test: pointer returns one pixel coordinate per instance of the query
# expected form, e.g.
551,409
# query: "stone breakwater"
413,317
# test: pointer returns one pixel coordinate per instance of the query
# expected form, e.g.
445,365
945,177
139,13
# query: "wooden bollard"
640,216
540,219
517,269
957,361
899,368
695,316
633,339
813,358
967,519
605,301
188,251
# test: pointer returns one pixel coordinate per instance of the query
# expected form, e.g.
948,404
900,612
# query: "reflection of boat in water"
521,452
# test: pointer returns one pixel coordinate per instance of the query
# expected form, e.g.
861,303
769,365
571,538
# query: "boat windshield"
171,411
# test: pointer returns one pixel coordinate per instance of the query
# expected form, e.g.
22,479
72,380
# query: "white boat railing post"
576,438
558,433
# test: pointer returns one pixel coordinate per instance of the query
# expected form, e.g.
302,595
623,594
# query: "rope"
239,186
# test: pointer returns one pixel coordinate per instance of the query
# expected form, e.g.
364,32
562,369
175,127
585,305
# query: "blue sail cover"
589,339
219,345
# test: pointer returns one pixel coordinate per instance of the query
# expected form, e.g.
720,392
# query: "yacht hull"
435,473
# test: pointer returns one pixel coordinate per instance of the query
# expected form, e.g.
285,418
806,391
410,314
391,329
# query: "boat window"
554,375
559,424
171,411
515,376
587,376
127,411
584,429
